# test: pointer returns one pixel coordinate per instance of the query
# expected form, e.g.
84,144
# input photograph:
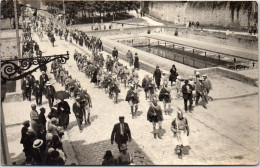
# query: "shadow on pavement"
96,151
17,160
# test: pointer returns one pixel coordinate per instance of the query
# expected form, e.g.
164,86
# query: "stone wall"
229,74
180,13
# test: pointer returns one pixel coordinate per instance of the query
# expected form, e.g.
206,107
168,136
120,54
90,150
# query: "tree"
7,9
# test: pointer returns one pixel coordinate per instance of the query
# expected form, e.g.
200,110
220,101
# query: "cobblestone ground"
225,133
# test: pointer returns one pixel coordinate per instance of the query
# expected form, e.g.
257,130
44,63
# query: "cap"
200,79
48,83
204,75
26,122
53,120
197,73
121,117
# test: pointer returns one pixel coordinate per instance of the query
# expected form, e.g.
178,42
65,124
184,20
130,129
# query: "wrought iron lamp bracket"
12,70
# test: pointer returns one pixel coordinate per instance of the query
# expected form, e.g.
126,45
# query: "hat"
50,150
204,75
200,79
179,77
49,136
26,123
30,132
37,143
55,154
78,98
43,72
121,117
197,73
108,154
54,120
42,109
33,105
123,147
48,83
54,107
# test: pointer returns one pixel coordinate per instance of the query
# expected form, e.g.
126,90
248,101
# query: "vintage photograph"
129,82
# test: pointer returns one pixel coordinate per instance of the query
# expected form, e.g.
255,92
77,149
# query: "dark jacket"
43,80
115,53
164,95
42,119
50,91
37,90
117,136
158,114
187,95
157,74
78,110
131,95
65,106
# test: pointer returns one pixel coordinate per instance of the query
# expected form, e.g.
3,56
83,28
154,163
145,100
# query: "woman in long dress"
173,74
136,62
64,111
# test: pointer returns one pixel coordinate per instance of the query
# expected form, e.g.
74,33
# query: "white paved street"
215,135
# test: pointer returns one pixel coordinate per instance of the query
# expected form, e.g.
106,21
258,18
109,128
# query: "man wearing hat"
43,80
165,97
78,111
50,91
38,152
26,88
121,133
154,115
178,86
144,85
25,138
136,61
37,91
115,53
133,99
125,157
197,77
187,94
34,118
157,76
200,92
208,86
86,104
181,131
130,57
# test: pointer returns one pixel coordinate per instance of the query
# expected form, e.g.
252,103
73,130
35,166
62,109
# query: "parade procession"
123,83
